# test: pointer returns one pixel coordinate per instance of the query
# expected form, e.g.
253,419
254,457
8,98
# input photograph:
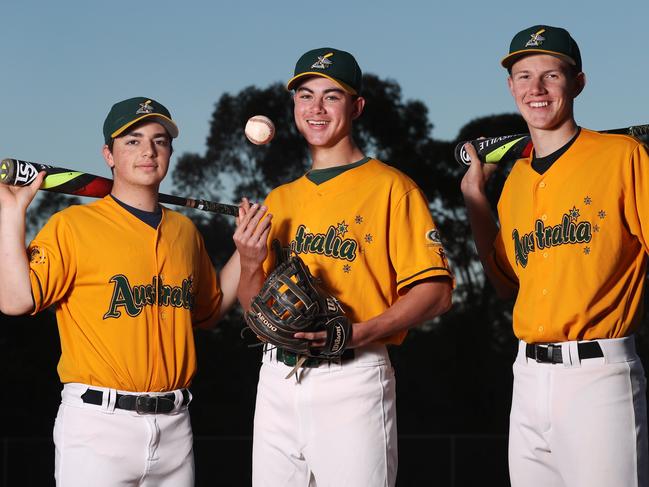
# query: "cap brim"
511,58
293,81
166,122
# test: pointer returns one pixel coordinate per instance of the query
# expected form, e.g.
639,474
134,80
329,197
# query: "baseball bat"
67,181
508,147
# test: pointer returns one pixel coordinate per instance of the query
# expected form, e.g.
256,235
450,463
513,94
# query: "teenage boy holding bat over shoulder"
129,280
572,250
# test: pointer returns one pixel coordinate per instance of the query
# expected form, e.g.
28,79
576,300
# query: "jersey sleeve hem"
36,297
425,274
501,269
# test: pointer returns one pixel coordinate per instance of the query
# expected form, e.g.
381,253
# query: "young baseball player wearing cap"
129,278
572,249
365,229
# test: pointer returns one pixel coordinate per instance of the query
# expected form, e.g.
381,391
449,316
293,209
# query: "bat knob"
7,171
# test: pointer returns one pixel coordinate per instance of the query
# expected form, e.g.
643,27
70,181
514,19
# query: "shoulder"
614,141
76,212
176,216
289,187
178,219
385,175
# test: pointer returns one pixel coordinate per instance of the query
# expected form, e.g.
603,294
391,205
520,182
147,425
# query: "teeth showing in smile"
539,104
317,122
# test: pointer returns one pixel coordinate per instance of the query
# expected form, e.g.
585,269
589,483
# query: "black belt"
290,358
550,353
142,403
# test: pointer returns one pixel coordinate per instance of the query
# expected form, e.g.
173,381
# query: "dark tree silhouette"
398,132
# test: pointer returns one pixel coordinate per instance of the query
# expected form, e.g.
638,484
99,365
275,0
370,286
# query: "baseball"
260,130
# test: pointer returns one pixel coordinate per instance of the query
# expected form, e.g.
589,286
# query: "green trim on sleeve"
409,278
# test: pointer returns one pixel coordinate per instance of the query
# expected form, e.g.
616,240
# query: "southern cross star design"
342,228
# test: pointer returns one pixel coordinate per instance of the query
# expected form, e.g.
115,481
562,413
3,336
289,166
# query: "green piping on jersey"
426,270
319,176
498,153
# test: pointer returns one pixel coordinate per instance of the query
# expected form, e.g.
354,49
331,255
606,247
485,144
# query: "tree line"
453,374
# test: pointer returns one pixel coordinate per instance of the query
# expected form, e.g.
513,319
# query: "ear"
108,156
510,84
580,83
358,107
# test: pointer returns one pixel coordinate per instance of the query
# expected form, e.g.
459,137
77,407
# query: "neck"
548,141
142,198
343,153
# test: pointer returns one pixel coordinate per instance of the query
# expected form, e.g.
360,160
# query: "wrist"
362,334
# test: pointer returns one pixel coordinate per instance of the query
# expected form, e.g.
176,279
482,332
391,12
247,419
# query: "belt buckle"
548,353
141,403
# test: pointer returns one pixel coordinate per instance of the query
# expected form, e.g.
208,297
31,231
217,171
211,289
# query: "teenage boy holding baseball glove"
365,232
572,250
129,279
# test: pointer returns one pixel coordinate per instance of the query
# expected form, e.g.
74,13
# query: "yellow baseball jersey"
367,233
575,240
126,295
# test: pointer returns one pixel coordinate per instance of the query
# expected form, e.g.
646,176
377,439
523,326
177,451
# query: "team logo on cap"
536,39
323,62
145,108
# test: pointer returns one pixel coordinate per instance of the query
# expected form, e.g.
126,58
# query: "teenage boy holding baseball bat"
129,279
572,250
336,425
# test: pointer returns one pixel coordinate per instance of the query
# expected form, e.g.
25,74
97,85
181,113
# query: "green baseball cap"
543,39
126,113
338,66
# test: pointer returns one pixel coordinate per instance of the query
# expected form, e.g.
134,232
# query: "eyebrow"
553,70
328,90
135,133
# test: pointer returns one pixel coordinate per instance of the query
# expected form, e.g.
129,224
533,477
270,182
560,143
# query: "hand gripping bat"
67,181
509,147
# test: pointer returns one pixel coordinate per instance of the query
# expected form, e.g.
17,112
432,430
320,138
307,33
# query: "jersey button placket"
158,314
543,254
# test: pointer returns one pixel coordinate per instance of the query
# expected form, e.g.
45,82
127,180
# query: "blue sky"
65,63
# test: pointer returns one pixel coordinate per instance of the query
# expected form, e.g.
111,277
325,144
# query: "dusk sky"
65,63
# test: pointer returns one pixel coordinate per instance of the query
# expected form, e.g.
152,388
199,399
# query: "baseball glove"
291,301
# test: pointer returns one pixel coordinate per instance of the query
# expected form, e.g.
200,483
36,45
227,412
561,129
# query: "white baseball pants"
107,447
336,427
580,423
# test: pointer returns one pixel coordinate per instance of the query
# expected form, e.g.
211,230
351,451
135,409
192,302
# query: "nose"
537,87
150,148
318,104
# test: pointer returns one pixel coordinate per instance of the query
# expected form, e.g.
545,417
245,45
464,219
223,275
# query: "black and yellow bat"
60,180
509,147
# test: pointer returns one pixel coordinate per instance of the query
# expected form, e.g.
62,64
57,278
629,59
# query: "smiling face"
544,88
324,112
140,158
